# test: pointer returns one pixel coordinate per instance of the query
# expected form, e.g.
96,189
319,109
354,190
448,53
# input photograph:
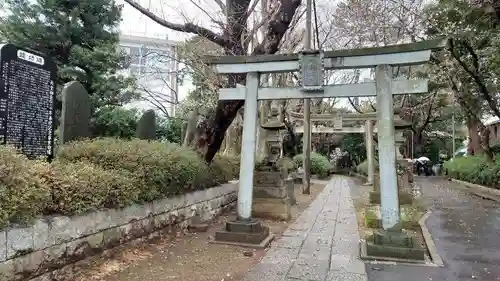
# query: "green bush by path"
319,164
162,169
474,169
362,168
23,195
81,187
103,173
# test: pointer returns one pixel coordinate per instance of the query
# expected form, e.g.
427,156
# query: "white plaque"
30,57
337,123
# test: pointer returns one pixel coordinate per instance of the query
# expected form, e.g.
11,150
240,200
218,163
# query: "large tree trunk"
474,147
232,40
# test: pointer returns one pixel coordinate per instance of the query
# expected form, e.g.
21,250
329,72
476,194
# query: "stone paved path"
322,245
466,231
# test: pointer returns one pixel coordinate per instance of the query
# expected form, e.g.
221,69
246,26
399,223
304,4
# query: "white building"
154,62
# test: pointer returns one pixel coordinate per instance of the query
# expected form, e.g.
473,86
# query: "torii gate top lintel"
313,64
417,53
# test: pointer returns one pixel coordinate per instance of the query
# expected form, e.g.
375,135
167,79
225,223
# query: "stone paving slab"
322,244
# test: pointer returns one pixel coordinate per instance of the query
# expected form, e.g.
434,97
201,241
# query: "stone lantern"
405,174
400,125
271,197
274,138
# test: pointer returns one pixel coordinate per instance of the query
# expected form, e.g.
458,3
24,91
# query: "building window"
135,55
150,61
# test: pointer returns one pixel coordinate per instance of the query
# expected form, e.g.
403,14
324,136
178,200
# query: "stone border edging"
481,190
49,248
431,247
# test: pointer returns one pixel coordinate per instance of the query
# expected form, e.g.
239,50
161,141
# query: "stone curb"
480,190
431,247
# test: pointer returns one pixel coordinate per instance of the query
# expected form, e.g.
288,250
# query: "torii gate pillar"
386,148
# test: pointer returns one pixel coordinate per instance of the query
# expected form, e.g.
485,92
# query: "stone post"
370,155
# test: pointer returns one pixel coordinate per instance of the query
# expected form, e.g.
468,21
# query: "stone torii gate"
247,231
338,128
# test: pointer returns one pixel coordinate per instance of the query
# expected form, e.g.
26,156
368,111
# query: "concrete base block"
245,233
385,252
392,244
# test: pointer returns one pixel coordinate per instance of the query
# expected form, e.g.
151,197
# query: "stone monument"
27,98
270,181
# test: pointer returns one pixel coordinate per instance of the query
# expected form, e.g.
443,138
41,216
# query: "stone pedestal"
270,196
246,233
290,190
404,190
404,184
394,244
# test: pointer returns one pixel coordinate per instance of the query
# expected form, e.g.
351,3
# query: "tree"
235,38
114,121
204,95
381,23
470,65
80,36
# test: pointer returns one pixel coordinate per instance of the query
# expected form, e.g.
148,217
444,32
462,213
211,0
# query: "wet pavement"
466,231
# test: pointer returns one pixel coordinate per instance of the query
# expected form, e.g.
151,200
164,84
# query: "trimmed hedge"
162,169
362,168
23,195
475,169
103,173
320,165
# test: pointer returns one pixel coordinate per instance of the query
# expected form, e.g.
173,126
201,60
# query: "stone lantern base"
273,195
404,190
245,233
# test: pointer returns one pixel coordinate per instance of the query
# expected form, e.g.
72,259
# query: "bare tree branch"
187,27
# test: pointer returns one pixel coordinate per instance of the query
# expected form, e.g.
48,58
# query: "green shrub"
284,164
23,195
474,169
495,149
362,168
287,164
221,170
103,173
319,164
82,187
161,169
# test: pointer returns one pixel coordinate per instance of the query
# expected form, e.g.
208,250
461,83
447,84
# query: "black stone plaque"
27,96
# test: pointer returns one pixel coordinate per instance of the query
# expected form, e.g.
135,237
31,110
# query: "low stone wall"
43,250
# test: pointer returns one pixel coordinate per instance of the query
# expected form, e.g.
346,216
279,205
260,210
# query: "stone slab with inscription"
27,97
